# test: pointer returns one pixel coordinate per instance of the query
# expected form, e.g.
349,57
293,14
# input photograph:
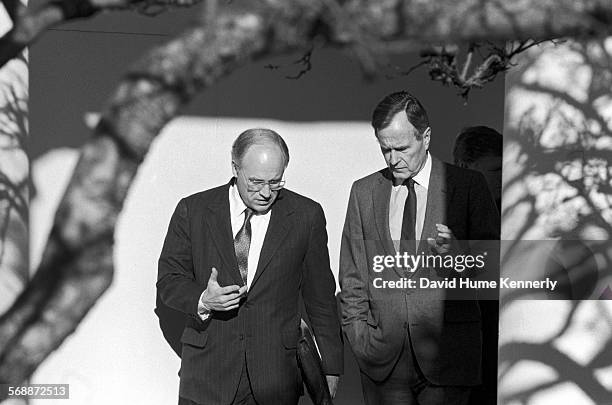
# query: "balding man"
235,259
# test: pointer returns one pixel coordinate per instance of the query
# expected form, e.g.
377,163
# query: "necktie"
242,242
408,238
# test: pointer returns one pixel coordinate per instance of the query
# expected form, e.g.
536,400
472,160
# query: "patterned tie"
408,238
242,242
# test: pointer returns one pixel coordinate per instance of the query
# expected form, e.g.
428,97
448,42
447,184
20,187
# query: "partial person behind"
480,148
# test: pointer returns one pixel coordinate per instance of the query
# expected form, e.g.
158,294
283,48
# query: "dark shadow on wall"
563,154
14,192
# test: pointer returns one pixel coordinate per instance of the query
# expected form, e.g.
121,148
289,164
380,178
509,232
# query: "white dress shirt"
259,227
398,200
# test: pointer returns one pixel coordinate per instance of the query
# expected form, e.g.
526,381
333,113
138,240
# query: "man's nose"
265,191
393,160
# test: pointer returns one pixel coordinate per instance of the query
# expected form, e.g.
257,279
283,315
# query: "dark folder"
310,366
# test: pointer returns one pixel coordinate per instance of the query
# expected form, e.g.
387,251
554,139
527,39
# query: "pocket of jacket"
373,322
194,338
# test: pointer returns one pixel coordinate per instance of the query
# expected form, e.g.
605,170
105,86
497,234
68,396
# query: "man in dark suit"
481,148
235,260
413,345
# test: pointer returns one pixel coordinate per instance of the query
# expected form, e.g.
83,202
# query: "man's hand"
217,298
332,384
444,242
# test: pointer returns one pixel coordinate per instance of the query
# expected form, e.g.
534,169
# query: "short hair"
396,102
258,136
473,143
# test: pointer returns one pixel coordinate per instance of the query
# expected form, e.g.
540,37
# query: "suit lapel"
381,193
275,235
218,220
435,213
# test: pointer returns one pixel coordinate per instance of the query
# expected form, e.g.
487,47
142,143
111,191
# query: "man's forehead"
262,154
396,138
263,166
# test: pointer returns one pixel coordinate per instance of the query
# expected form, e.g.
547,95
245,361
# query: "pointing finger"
442,228
444,236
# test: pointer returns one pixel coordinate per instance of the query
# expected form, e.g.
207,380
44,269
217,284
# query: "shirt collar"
236,204
422,177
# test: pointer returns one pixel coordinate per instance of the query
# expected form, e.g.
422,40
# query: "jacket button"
241,336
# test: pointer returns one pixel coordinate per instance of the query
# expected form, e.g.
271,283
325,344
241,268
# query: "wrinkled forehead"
397,139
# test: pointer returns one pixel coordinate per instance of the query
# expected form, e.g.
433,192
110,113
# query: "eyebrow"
386,148
258,179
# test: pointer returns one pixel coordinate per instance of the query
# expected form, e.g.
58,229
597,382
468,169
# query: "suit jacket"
264,329
444,333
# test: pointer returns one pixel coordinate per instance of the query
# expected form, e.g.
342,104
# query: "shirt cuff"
203,311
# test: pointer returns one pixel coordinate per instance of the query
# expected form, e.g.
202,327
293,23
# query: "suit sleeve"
484,215
318,292
484,227
354,302
176,283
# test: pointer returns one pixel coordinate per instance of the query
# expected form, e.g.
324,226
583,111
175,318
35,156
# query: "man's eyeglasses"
257,185
254,185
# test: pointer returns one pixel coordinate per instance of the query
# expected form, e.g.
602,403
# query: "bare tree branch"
30,23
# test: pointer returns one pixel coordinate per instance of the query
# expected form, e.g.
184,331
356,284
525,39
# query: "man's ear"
427,137
234,169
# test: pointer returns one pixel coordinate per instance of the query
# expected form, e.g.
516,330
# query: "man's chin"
400,175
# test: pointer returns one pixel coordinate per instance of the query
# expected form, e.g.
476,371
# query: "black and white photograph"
305,202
